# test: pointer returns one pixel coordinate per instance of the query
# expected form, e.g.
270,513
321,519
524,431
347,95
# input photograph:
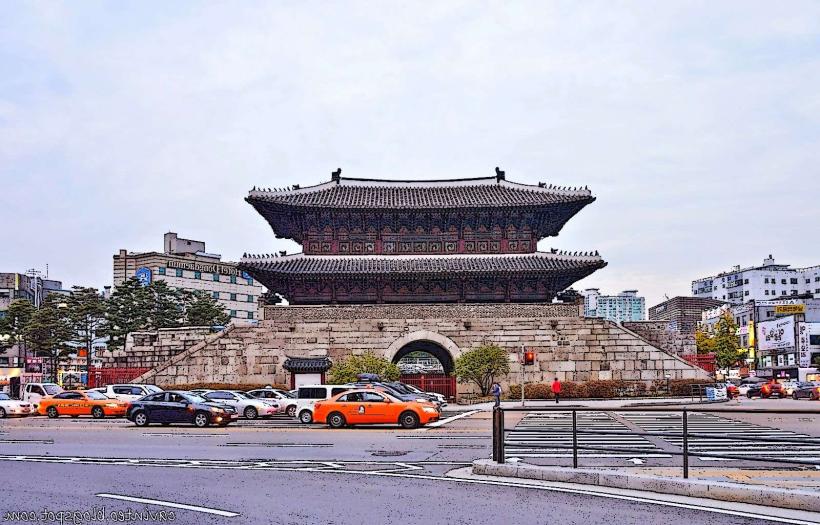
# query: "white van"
307,395
128,392
34,392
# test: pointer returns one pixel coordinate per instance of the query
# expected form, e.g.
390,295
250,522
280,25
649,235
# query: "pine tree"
48,332
166,306
86,314
17,316
203,310
128,311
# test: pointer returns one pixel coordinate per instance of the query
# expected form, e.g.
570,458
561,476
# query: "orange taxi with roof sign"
372,407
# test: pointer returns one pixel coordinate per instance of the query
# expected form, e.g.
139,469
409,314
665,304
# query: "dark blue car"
179,407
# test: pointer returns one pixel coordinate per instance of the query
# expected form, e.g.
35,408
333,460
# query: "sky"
695,124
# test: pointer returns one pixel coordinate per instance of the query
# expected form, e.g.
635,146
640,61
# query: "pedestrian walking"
556,389
497,394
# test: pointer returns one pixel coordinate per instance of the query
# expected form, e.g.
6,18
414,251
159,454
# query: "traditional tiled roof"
485,192
307,365
301,264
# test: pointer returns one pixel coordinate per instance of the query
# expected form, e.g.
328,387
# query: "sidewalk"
571,403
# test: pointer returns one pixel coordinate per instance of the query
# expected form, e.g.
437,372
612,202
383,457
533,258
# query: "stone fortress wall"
567,345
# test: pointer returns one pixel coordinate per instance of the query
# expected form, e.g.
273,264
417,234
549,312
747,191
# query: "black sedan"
179,407
808,390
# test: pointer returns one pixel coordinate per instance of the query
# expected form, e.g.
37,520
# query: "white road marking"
441,422
206,510
636,461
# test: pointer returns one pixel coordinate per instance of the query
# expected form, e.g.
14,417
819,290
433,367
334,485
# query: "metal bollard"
498,435
574,440
685,445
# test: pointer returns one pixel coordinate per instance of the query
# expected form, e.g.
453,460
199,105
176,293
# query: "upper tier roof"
348,193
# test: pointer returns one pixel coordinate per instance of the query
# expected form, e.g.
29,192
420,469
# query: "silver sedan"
245,405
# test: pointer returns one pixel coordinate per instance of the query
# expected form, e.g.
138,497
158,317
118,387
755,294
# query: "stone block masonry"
567,345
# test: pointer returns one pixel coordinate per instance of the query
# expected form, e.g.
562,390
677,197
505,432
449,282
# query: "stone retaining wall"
567,346
659,334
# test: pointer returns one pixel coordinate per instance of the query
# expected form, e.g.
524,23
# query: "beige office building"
184,264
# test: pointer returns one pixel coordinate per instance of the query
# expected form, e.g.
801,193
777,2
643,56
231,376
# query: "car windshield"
4,397
153,389
243,395
52,389
95,395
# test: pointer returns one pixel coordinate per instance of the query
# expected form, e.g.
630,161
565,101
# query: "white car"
127,392
282,398
308,395
12,407
245,405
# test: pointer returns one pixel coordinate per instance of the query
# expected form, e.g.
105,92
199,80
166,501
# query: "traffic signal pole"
521,361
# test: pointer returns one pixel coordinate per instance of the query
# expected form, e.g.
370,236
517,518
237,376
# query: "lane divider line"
450,419
206,510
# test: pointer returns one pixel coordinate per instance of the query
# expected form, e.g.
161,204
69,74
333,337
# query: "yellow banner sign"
790,309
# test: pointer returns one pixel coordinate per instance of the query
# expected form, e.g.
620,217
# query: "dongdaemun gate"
432,266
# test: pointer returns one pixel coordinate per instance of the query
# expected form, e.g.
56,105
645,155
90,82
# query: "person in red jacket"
556,389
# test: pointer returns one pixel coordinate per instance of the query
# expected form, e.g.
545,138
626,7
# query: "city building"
768,281
30,286
683,313
626,306
184,264
769,331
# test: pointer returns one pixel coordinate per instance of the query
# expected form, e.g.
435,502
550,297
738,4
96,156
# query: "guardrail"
500,433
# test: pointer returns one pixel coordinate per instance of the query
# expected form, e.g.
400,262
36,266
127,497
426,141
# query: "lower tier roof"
329,265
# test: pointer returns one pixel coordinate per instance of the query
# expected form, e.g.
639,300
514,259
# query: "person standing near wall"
556,389
497,394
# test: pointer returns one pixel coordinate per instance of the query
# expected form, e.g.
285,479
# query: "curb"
733,492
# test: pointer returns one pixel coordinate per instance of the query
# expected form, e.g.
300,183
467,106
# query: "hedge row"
605,389
223,386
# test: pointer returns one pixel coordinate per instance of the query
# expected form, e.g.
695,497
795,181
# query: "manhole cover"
388,453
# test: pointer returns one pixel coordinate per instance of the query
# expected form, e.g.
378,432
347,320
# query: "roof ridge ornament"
336,176
500,174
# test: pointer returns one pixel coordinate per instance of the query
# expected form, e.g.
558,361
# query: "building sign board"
195,266
790,309
776,334
143,275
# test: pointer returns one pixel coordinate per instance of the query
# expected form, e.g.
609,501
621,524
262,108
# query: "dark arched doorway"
427,366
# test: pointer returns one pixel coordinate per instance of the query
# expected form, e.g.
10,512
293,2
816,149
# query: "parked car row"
366,401
758,387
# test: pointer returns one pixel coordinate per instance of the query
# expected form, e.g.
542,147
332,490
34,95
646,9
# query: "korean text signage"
804,352
143,275
790,309
776,334
194,266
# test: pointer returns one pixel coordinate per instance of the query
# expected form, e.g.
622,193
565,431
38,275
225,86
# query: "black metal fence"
500,433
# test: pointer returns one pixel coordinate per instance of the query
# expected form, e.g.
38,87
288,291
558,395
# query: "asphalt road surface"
282,473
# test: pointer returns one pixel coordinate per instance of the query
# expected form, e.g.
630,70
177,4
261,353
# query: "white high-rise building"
768,281
626,306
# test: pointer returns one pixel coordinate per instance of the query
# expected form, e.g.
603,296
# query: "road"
282,472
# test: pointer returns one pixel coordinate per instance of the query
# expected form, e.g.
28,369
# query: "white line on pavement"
449,419
171,504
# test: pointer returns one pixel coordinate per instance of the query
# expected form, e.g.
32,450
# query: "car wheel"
306,417
251,413
52,412
97,413
336,420
2,412
749,395
141,419
201,420
292,411
409,420
794,396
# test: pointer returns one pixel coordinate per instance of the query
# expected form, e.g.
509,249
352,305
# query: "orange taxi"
82,403
371,407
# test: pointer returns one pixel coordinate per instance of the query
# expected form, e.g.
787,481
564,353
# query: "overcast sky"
696,124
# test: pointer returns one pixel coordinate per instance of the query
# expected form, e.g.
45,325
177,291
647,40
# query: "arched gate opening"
427,366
